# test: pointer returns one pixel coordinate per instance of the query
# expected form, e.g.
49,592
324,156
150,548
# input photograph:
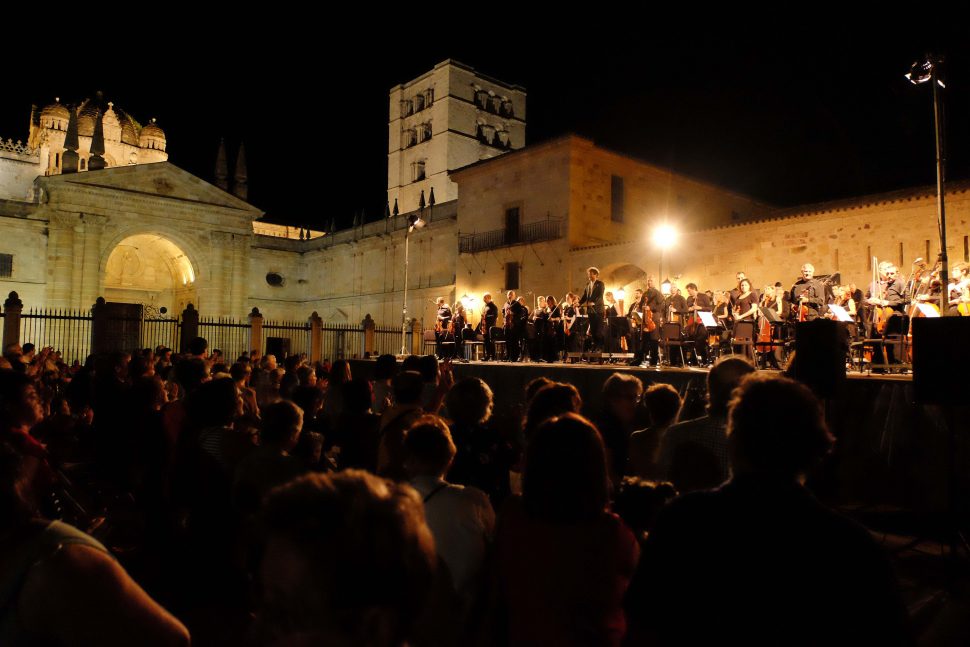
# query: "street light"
923,71
414,222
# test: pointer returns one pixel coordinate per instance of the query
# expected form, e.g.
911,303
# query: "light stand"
414,222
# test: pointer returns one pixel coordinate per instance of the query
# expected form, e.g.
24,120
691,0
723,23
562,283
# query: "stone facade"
567,194
443,120
126,142
530,219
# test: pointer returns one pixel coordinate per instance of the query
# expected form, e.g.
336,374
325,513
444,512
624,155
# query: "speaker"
820,351
941,353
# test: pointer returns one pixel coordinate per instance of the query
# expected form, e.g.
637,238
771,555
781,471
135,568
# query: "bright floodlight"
620,294
664,236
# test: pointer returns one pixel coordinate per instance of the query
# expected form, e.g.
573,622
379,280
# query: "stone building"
447,118
132,227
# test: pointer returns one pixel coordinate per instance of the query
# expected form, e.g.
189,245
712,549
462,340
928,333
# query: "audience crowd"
271,501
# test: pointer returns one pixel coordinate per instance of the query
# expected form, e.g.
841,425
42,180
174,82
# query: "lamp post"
923,71
414,222
664,236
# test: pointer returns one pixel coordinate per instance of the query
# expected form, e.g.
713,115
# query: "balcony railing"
530,233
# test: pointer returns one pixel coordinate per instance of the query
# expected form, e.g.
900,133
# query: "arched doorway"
151,270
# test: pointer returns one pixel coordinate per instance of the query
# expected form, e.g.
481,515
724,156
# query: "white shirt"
462,522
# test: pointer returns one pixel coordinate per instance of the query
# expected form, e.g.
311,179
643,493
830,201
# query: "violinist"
540,319
570,311
635,315
457,328
489,319
610,306
698,302
514,314
807,295
774,300
675,305
843,297
959,293
722,310
441,325
552,338
653,301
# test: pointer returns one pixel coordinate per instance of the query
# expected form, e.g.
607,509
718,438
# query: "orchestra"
594,325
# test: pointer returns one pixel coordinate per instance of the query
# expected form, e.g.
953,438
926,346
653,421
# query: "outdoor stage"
890,450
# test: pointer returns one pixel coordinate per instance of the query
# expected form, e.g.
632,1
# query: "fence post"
369,345
190,327
99,327
417,337
11,320
316,337
256,331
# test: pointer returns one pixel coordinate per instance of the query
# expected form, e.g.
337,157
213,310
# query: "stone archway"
150,269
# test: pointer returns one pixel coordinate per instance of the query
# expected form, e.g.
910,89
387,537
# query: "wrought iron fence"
342,341
295,334
229,335
65,330
160,332
533,232
388,340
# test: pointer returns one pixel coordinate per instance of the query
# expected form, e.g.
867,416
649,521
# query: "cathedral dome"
57,110
152,136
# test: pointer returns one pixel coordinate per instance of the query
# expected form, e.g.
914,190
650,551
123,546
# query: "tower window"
616,198
406,108
481,99
417,171
429,97
419,103
6,266
84,164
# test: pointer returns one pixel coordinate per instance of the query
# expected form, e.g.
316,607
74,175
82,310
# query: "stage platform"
890,449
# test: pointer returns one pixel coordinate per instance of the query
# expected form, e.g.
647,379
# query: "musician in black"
540,320
636,331
552,339
441,327
653,301
698,302
889,292
458,325
514,314
809,292
675,305
489,319
592,298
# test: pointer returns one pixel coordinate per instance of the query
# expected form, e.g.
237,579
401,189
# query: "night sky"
811,113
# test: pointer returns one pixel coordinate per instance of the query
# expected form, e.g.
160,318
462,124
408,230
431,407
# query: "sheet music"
840,313
707,318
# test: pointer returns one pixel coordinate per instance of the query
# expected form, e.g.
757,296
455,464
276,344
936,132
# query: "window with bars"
511,276
6,266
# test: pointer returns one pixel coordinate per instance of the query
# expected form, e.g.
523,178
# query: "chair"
744,332
497,335
429,339
670,336
472,346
